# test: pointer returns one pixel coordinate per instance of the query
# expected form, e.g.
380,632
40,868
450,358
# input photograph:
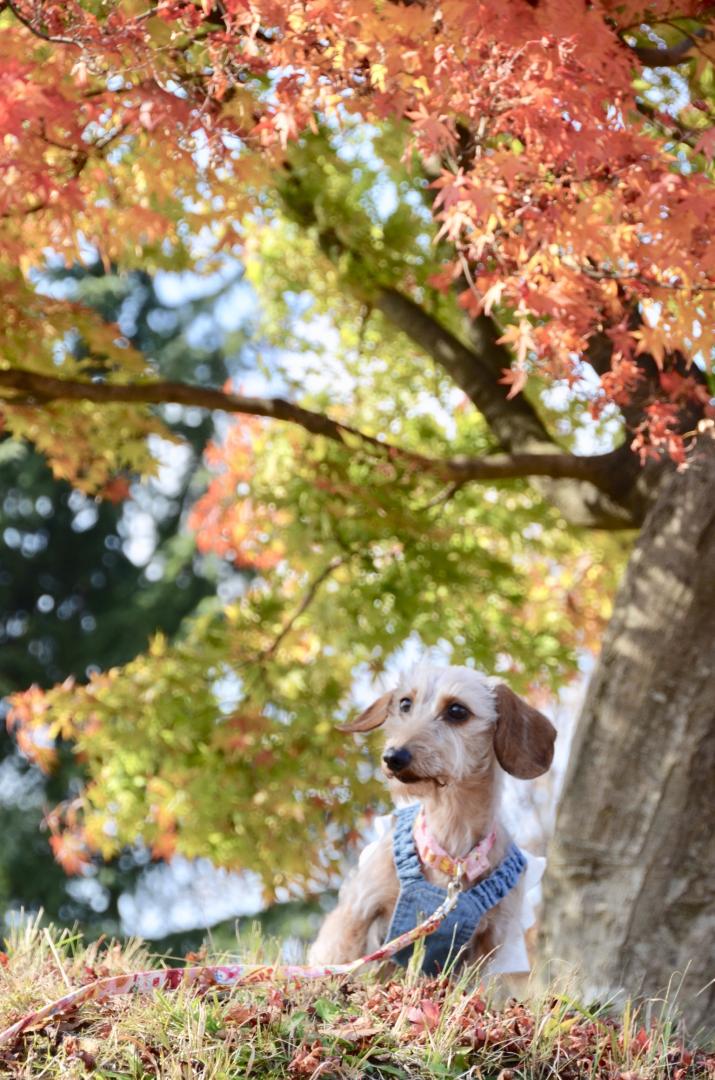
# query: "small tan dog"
449,734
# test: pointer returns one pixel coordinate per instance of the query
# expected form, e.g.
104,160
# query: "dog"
450,734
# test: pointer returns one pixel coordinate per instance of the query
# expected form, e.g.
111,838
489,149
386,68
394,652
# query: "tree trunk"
629,897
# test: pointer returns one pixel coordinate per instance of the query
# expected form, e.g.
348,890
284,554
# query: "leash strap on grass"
144,982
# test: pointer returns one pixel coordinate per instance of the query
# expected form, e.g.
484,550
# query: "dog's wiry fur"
455,772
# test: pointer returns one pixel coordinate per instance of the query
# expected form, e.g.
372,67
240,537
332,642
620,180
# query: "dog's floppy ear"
373,716
524,738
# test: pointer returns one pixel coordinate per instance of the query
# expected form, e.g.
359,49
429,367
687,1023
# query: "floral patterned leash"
144,982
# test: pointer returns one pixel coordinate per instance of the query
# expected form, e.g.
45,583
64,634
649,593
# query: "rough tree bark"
629,897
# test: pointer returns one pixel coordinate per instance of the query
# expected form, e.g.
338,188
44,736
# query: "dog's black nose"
397,760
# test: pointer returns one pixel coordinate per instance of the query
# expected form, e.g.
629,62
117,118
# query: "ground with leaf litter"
405,1027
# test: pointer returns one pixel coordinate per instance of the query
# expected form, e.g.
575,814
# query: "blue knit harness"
418,898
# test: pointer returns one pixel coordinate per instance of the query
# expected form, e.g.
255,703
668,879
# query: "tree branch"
38,390
601,500
666,55
669,128
303,606
34,29
475,370
652,56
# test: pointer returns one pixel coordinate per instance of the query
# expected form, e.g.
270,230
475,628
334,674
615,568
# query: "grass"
371,1027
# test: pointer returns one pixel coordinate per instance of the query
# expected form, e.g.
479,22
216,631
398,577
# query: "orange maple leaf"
70,851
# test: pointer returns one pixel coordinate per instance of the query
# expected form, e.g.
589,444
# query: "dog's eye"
405,704
456,712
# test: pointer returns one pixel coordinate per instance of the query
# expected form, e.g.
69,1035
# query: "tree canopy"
72,601
478,238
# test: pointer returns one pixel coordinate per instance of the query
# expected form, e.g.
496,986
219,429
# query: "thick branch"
603,502
666,56
38,390
476,370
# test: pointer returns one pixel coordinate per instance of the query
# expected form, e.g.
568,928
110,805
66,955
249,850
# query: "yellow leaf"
377,76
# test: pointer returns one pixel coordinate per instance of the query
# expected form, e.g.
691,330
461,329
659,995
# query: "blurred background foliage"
355,557
72,599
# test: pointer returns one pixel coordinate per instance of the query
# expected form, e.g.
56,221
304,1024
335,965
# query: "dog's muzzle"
397,760
398,764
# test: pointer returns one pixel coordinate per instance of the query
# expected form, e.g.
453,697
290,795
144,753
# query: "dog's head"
447,725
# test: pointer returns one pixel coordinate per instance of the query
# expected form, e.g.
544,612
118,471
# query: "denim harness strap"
419,898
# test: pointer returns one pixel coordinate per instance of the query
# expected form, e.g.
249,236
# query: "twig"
305,603
443,497
669,128
643,279
27,22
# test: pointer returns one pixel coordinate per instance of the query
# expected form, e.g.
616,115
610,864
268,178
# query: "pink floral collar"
432,854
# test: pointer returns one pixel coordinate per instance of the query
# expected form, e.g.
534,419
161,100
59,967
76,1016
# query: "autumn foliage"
225,518
559,202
